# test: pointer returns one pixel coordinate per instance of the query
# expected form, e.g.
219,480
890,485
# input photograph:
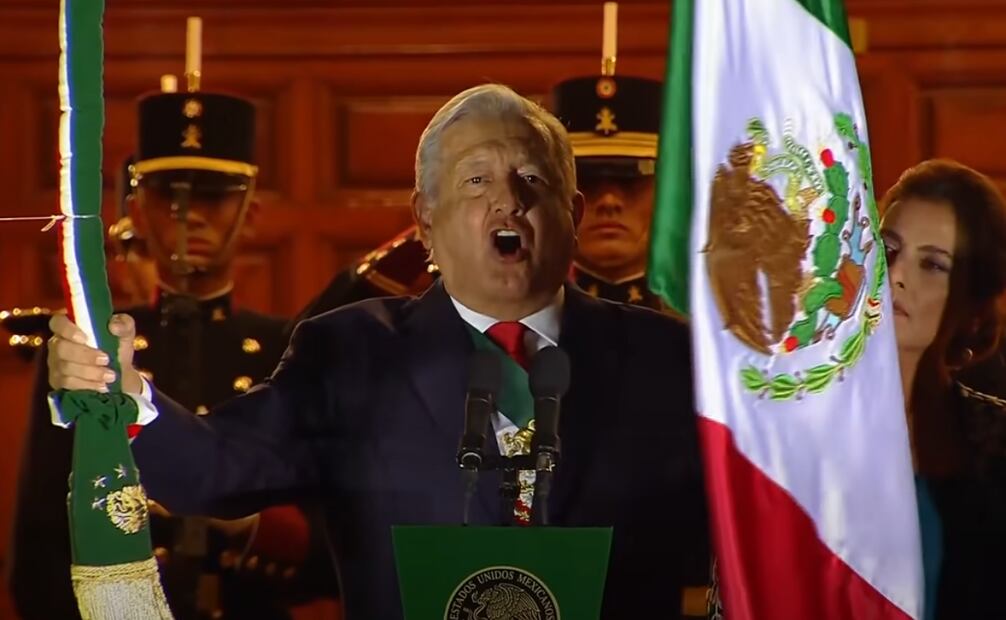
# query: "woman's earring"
968,356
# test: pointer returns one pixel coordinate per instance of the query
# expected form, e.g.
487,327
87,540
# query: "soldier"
192,202
613,122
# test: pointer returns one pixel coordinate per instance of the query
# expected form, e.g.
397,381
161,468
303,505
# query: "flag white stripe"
78,299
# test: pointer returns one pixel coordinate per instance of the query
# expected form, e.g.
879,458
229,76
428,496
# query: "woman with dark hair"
945,232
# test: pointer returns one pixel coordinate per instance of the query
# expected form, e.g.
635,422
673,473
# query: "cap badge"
606,88
192,108
192,138
606,121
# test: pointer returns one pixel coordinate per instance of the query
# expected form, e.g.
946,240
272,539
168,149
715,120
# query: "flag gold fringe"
129,591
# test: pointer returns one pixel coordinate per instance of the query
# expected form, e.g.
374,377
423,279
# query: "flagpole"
114,573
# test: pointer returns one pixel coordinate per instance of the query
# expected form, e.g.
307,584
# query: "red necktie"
509,335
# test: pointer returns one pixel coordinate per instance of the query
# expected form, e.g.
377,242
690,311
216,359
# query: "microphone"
485,374
549,379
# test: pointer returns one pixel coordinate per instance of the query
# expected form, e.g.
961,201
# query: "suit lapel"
438,348
590,337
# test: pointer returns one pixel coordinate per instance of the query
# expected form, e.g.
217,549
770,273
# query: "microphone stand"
545,463
479,405
549,381
510,486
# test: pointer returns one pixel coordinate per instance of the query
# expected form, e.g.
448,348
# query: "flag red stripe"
771,562
63,280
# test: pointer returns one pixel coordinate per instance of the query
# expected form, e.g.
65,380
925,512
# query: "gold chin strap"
232,237
163,256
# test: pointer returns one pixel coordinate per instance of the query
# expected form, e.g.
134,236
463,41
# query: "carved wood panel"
968,124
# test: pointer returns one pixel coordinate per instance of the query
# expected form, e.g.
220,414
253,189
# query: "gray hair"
493,100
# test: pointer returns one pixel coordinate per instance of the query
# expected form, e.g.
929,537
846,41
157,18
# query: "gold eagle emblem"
754,244
505,601
127,508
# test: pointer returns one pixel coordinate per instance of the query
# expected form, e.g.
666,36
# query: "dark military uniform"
200,352
633,290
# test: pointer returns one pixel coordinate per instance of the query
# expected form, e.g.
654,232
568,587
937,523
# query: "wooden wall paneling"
940,25
969,125
963,98
15,378
272,30
893,109
304,235
265,268
376,139
352,232
21,150
11,179
298,124
260,277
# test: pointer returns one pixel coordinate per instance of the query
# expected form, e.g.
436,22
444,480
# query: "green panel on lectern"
476,573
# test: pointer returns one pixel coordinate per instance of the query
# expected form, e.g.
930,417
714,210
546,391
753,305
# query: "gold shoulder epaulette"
400,266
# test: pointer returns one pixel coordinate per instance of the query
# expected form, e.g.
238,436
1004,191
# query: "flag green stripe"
832,14
86,58
667,273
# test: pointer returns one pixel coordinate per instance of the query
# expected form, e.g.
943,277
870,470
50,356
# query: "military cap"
613,122
212,134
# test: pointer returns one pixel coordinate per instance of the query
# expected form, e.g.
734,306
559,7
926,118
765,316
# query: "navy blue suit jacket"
365,412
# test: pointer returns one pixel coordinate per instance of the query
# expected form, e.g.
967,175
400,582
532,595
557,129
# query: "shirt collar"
545,322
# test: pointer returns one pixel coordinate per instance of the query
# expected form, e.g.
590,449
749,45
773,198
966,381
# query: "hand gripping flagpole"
114,572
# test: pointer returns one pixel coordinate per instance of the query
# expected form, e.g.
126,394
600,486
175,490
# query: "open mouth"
508,243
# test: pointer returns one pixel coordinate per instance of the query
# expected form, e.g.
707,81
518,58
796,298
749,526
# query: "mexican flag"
765,233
